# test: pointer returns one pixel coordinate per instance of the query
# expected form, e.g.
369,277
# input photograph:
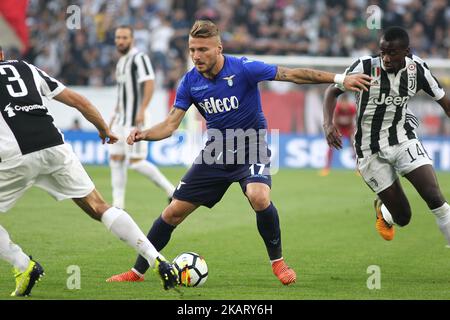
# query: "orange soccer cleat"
285,274
324,172
385,229
128,276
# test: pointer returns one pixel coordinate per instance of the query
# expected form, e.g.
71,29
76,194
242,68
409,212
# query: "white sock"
123,226
137,272
118,182
149,170
387,215
273,261
11,252
442,215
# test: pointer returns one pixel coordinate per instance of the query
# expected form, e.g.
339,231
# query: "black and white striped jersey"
383,117
25,124
132,69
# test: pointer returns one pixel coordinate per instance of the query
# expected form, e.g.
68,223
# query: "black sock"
269,228
159,236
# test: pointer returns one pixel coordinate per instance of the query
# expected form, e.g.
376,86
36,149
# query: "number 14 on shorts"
419,152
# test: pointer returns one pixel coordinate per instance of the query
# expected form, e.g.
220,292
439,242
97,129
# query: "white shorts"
138,150
380,170
57,170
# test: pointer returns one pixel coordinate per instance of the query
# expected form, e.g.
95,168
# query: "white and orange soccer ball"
192,269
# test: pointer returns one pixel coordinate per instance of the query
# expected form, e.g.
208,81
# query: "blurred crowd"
87,56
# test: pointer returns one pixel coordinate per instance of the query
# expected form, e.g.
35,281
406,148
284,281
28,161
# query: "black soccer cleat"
168,274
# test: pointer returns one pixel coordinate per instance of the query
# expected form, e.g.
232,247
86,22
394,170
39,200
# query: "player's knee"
135,160
173,216
259,200
117,157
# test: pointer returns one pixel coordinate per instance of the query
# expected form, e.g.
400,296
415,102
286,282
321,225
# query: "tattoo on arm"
300,75
281,74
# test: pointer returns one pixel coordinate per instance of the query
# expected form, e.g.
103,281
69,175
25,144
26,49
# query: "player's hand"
333,136
135,136
357,82
108,137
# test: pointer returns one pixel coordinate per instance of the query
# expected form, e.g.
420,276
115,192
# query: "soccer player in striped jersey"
224,89
135,85
33,153
386,144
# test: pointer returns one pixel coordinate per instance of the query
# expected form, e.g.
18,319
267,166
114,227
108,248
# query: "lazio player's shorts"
57,170
212,173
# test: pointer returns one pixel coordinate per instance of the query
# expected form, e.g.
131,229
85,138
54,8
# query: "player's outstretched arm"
77,101
353,82
332,134
159,131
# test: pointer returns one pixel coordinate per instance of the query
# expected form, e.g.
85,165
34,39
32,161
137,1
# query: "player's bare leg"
122,225
425,181
159,235
391,207
268,225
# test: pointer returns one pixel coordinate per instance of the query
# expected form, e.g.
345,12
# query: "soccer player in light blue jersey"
224,89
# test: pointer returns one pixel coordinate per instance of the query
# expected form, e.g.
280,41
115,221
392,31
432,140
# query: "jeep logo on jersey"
387,100
212,105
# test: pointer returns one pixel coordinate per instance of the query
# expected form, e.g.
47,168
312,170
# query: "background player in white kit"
33,153
135,84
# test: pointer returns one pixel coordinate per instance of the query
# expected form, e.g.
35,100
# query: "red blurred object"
15,13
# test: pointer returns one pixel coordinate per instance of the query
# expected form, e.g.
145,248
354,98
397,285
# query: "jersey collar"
132,51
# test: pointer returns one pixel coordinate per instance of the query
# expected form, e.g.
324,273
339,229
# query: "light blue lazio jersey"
231,100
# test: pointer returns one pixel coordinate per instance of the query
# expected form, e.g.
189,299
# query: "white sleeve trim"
57,91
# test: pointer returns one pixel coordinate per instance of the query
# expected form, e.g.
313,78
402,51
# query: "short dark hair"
397,34
127,26
204,29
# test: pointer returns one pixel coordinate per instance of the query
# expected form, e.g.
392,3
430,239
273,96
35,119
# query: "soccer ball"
192,269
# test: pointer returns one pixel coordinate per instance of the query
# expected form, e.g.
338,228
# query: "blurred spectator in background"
288,27
76,126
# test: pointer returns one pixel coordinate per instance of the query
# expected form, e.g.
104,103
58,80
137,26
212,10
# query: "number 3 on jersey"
15,78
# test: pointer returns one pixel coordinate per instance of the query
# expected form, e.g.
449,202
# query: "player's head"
394,47
124,38
2,55
205,46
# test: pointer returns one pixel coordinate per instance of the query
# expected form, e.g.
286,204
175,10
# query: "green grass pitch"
328,236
